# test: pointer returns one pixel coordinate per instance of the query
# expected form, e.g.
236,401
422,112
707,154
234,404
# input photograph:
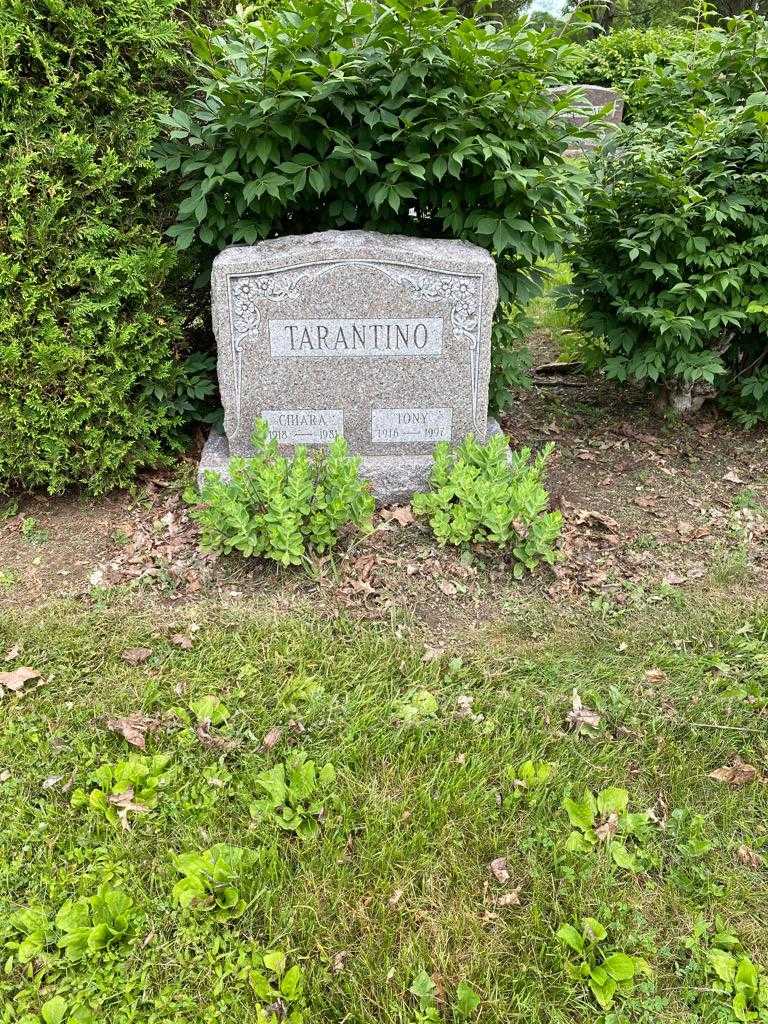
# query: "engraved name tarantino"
356,337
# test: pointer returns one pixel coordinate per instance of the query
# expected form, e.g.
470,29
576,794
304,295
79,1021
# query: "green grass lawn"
388,878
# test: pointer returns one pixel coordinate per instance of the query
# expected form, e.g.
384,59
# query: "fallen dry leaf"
136,655
4,775
184,642
510,899
272,738
449,589
732,477
16,680
400,514
432,654
608,827
211,740
498,869
736,774
13,653
464,708
124,803
581,718
337,961
746,856
395,898
134,728
655,675
51,781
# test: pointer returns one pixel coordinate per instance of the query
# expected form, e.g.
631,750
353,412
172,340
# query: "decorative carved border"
246,290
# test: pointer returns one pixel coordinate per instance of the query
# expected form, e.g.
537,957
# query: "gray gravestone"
384,339
593,99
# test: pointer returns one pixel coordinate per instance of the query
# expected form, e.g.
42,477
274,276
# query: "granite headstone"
384,339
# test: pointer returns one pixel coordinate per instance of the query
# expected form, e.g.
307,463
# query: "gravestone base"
394,478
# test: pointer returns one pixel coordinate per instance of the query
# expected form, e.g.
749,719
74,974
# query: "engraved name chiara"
304,426
353,337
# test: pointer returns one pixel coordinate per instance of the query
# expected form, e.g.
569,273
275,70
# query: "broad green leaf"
611,800
54,1010
581,813
275,962
571,937
620,966
467,1000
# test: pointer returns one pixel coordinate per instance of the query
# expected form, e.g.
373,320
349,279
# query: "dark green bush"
404,118
672,268
92,308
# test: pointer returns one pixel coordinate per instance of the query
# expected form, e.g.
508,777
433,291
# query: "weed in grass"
605,818
32,532
605,970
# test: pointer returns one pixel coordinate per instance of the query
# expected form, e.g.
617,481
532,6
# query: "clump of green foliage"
730,977
278,988
482,493
93,309
463,1006
93,923
617,59
210,880
669,268
283,508
294,794
130,786
605,818
381,115
606,972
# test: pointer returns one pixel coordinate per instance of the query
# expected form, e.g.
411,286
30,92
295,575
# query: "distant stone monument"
594,98
383,339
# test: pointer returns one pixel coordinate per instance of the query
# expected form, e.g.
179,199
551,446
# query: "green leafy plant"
28,933
604,818
527,783
415,707
488,495
667,266
379,115
729,973
424,990
91,924
604,970
283,509
127,787
278,988
95,308
294,794
211,880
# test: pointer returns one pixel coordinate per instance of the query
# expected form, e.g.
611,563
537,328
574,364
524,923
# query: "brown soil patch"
650,506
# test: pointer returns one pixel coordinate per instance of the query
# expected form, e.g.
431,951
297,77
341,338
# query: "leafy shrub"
211,879
484,494
128,786
605,972
670,271
726,63
280,508
294,794
92,309
405,119
618,59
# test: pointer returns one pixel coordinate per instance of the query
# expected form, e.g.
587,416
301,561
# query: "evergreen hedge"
92,311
